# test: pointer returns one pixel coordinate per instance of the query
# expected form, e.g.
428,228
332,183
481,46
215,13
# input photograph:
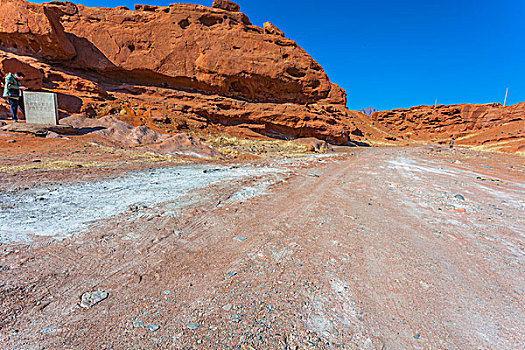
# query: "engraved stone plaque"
41,108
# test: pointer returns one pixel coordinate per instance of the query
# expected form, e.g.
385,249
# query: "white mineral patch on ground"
63,210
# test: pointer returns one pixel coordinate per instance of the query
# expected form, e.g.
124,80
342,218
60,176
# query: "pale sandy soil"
365,250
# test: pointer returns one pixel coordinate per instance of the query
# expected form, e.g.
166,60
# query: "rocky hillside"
182,67
190,68
490,126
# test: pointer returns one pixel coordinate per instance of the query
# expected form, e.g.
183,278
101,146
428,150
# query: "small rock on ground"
193,325
152,327
90,299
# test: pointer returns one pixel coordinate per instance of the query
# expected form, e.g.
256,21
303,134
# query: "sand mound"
141,137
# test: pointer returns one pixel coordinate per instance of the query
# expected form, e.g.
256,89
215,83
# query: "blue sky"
402,53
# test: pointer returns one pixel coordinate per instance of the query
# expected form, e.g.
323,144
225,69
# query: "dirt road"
416,248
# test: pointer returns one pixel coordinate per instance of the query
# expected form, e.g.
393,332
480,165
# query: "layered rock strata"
209,55
489,125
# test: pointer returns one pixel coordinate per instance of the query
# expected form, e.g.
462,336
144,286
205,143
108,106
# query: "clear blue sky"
401,53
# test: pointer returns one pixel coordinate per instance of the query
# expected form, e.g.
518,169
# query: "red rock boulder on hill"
226,5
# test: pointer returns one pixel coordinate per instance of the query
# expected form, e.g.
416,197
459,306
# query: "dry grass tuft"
55,165
137,155
232,146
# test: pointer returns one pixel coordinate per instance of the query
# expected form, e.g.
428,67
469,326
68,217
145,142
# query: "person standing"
13,92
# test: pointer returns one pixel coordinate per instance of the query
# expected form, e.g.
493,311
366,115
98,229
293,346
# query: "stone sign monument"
41,108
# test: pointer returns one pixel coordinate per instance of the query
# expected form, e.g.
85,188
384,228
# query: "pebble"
152,327
208,171
193,326
52,135
417,336
231,274
241,239
48,329
11,141
137,324
460,197
90,299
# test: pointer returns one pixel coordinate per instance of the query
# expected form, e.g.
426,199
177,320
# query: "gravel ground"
385,248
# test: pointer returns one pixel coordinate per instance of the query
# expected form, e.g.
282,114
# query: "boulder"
226,5
314,145
271,29
116,130
185,145
141,137
63,7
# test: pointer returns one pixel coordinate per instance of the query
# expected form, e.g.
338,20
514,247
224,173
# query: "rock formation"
190,68
369,110
491,126
189,61
226,5
271,29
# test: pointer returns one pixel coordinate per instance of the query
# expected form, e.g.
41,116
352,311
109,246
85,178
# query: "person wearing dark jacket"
13,92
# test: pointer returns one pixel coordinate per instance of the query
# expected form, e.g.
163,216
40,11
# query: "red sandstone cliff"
182,65
193,68
489,125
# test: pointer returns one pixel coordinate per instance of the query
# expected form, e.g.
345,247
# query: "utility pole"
506,94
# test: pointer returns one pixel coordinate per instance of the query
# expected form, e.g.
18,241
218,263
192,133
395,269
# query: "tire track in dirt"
335,256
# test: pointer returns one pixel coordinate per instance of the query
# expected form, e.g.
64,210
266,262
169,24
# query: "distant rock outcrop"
368,111
490,126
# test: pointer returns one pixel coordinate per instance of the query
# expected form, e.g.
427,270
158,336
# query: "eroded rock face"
34,29
490,125
226,5
33,77
208,49
271,29
213,69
